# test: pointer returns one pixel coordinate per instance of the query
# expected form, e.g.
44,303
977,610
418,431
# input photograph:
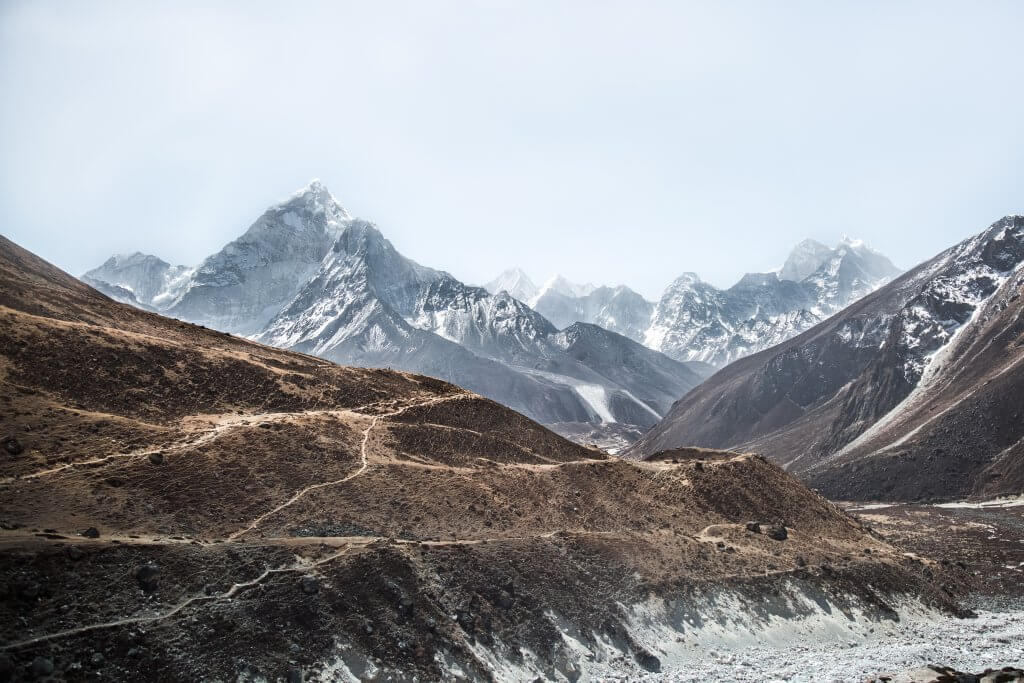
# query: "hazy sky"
620,142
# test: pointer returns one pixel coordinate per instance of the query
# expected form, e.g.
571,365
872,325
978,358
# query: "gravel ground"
992,640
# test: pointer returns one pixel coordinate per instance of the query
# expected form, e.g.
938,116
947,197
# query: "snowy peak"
805,258
141,279
697,321
311,209
560,285
873,393
515,282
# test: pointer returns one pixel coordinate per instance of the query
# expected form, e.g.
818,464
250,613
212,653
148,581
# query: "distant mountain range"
310,277
912,392
695,321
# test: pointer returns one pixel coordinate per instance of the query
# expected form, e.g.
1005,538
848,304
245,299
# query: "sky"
612,142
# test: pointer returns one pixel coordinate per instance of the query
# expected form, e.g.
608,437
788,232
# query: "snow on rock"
695,321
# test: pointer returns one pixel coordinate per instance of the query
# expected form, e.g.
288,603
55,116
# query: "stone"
777,532
310,585
147,576
12,446
41,666
156,458
91,532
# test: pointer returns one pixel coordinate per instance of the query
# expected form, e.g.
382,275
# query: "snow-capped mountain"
369,305
697,321
310,277
140,279
515,282
913,391
241,287
557,284
618,309
805,258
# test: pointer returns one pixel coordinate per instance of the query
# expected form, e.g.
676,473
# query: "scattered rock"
147,576
310,585
96,659
12,446
466,620
156,458
777,532
41,666
91,532
754,527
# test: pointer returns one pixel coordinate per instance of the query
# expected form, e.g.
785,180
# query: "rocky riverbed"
992,640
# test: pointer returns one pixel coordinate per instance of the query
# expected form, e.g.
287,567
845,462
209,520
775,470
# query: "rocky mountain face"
310,277
140,279
697,322
618,309
181,504
911,392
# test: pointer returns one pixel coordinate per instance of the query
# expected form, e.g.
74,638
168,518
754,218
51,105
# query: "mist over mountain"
696,321
308,276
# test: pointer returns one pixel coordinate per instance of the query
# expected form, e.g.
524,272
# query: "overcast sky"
622,142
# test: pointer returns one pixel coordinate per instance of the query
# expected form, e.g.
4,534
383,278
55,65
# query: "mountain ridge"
309,276
829,403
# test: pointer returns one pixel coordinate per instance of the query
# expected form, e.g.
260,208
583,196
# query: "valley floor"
991,640
988,539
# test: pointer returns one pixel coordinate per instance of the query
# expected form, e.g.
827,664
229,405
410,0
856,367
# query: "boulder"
147,576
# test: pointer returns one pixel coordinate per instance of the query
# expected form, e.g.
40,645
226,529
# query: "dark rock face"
859,405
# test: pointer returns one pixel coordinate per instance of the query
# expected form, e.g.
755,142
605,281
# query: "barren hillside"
180,504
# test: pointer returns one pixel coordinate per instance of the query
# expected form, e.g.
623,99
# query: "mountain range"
181,504
308,276
696,321
912,392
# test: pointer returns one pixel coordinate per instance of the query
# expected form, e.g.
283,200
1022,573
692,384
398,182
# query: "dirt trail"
299,566
364,463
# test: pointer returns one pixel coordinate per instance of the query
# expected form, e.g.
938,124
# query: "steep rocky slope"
695,321
180,504
911,392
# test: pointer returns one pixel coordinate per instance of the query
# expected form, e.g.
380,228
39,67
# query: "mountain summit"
307,275
911,392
